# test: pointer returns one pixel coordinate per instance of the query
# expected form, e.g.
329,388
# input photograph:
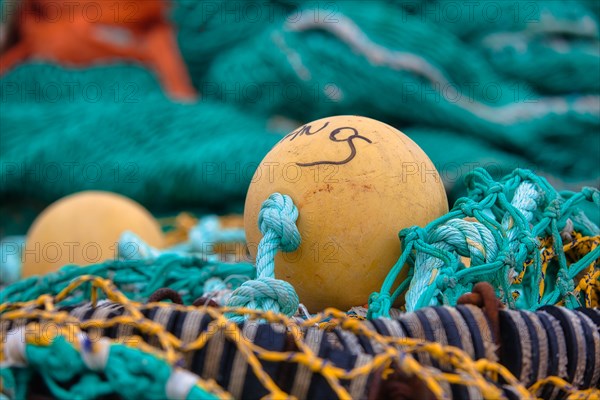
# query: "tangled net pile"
146,362
508,89
137,279
504,84
114,344
495,235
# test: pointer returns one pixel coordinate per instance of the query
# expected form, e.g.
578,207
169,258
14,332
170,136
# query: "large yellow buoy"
356,182
83,229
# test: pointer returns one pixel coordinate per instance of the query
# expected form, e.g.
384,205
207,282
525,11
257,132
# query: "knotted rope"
277,223
138,279
503,247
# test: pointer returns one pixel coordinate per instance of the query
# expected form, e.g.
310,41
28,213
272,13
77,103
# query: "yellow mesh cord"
587,282
465,371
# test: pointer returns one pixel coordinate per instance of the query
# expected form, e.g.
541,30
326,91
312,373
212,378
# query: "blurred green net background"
494,84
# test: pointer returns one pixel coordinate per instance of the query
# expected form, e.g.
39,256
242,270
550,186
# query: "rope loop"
277,222
495,188
591,194
412,234
468,206
553,210
379,305
279,214
266,294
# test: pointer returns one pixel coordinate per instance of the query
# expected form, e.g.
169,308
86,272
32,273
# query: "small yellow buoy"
83,229
356,182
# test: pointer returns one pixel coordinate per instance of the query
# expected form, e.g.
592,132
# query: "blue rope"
277,223
214,285
202,239
208,231
11,249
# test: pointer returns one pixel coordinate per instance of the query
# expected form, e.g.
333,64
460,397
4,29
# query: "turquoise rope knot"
591,194
563,282
477,182
468,206
454,290
411,234
494,189
526,239
379,305
267,294
279,214
553,211
277,222
507,257
443,281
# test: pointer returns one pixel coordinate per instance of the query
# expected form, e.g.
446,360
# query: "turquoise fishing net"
499,85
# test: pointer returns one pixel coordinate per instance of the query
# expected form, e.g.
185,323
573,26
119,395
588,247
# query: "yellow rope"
588,278
573,392
180,227
481,374
574,250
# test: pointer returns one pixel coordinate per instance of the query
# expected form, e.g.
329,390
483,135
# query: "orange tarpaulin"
86,32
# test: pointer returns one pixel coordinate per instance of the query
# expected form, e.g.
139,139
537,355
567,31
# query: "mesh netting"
144,358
